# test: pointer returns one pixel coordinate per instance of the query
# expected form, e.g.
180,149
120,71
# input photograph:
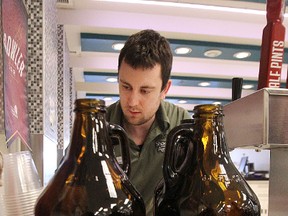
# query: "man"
144,68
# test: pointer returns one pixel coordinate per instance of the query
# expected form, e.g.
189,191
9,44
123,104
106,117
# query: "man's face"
140,93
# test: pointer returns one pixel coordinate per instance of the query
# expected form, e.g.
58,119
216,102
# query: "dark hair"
144,50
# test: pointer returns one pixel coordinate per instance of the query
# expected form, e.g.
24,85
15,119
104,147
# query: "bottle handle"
119,134
179,141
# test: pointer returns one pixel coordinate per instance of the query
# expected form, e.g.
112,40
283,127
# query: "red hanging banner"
14,35
272,48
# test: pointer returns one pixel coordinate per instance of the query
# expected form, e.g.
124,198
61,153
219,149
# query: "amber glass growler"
89,181
199,175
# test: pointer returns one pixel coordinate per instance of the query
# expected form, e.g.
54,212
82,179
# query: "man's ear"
166,89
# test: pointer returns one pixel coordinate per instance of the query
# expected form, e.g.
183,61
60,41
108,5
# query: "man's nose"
134,98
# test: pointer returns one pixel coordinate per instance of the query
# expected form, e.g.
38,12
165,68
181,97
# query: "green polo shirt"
146,161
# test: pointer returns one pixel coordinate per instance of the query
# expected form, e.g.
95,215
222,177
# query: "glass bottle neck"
211,128
90,132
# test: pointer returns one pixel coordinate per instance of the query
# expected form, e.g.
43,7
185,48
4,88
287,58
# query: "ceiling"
93,26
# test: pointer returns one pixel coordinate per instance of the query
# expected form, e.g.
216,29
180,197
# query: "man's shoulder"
172,109
111,107
113,112
174,113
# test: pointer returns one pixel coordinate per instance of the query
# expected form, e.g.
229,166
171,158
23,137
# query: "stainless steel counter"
259,121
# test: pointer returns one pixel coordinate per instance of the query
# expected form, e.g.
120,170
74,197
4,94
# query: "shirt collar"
161,116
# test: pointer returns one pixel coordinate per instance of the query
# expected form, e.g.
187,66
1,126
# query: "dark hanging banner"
14,36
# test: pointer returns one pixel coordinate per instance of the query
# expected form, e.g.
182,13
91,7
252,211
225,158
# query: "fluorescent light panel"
193,6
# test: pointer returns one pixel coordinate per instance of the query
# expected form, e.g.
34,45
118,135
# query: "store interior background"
93,27
62,66
207,27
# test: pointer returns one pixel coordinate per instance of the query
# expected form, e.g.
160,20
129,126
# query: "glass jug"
199,175
89,181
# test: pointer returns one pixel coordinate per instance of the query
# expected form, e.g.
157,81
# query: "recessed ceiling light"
182,101
241,55
247,86
112,79
204,84
213,53
217,103
107,99
117,46
183,50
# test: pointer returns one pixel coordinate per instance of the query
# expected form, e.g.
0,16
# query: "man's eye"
126,87
145,91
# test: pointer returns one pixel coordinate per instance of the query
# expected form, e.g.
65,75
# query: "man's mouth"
133,112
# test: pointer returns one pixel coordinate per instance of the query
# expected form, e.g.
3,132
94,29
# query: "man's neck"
138,133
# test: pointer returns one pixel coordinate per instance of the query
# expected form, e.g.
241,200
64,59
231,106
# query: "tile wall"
50,82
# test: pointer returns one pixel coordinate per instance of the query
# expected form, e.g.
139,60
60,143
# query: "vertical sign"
272,48
14,32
